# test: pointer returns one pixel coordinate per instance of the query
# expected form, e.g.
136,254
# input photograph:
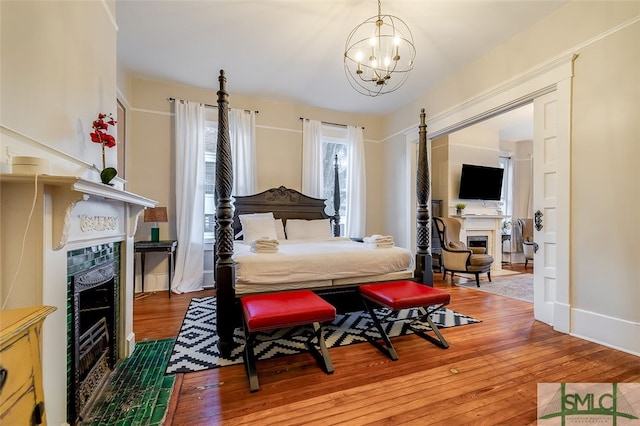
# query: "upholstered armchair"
456,256
529,247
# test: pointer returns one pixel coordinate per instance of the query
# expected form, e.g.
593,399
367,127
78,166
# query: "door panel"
545,199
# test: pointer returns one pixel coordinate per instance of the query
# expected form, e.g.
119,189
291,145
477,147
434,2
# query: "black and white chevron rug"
196,347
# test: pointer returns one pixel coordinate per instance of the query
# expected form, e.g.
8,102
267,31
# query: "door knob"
538,220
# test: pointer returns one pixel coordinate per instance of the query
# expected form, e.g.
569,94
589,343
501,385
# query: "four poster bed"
312,256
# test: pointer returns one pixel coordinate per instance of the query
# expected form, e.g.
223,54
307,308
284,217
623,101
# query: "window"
334,142
210,145
506,197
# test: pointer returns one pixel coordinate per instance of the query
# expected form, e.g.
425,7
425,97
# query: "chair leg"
321,356
489,275
526,261
387,348
478,279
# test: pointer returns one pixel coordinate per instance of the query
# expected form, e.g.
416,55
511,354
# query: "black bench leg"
440,341
387,348
250,361
322,356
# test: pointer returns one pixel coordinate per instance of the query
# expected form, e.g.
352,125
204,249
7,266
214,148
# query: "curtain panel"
189,155
312,167
355,224
242,132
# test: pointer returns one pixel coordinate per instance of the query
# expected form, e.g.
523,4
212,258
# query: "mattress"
317,264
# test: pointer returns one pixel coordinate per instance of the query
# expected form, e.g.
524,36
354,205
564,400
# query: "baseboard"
562,317
131,343
612,332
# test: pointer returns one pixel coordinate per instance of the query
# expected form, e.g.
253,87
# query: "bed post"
224,269
424,270
336,199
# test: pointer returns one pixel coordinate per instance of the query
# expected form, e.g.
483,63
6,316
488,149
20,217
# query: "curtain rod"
330,124
207,105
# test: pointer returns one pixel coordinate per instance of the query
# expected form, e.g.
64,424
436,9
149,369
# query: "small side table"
144,247
506,237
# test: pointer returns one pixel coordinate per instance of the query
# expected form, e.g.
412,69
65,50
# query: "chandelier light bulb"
391,41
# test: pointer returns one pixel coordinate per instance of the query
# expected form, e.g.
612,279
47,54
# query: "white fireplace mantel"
68,191
42,219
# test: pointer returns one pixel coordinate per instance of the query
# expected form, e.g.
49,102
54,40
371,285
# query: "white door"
545,204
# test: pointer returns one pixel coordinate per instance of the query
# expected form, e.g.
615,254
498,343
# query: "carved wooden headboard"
285,203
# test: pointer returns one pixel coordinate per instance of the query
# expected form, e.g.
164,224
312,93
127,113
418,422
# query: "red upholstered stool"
263,312
397,295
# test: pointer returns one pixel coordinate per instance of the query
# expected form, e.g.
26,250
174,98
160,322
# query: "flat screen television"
480,182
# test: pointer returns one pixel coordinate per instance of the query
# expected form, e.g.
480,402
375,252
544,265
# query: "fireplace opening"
478,241
93,340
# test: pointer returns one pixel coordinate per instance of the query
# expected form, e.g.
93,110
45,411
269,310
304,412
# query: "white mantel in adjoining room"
485,225
42,219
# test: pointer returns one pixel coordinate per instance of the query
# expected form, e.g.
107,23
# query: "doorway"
551,285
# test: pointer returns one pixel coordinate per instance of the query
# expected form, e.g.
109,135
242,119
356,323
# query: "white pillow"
300,229
280,230
259,225
240,233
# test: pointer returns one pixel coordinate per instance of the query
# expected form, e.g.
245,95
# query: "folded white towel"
264,249
379,241
265,242
264,245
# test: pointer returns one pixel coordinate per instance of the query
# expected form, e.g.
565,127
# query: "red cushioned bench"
398,295
264,312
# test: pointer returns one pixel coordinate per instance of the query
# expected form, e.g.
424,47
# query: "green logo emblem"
587,403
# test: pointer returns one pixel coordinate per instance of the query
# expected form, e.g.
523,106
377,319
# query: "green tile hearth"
137,392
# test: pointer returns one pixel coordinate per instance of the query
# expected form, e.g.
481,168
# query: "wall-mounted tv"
480,182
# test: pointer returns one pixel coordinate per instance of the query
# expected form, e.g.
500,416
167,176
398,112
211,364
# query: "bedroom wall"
471,146
605,185
440,171
58,73
55,80
605,134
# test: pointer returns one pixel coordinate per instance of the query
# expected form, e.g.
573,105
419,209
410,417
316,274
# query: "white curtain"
189,138
530,197
312,165
509,197
243,135
508,186
356,184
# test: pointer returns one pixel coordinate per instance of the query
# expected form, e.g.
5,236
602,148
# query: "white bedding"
317,261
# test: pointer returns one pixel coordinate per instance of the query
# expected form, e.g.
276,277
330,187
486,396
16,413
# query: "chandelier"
379,54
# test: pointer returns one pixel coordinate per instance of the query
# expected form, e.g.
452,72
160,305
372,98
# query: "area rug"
196,347
518,286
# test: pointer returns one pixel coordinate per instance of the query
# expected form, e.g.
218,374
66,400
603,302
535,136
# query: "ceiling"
292,50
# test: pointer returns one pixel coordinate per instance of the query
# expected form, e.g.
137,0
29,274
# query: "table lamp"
155,215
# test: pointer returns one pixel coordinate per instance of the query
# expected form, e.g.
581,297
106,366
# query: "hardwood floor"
488,375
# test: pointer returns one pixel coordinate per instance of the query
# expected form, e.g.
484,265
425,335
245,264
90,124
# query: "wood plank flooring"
488,376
